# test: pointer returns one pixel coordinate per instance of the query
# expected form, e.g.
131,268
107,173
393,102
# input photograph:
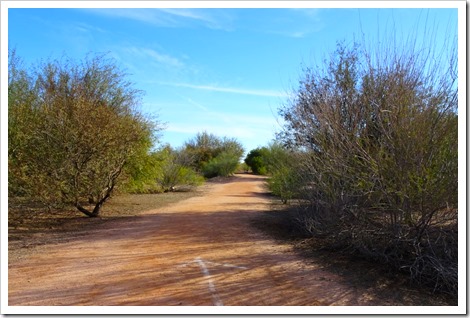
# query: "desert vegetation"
76,135
374,137
213,156
73,126
280,164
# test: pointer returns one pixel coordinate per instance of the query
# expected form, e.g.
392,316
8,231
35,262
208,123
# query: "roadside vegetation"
280,164
369,153
72,129
77,136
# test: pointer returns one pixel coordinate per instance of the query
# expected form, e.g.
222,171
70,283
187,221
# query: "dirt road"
200,251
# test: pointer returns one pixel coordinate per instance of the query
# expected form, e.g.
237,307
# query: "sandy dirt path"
200,251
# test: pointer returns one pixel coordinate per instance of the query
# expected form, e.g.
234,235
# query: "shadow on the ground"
202,231
190,234
281,224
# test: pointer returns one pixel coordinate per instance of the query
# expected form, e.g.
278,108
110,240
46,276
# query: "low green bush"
255,159
224,165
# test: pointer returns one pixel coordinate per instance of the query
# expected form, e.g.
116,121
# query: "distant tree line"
76,136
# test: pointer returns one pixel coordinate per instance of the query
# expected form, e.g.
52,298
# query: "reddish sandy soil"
201,251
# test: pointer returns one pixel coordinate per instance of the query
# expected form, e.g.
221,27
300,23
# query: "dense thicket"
72,127
377,138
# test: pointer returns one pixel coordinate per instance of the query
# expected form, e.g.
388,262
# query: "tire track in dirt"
200,251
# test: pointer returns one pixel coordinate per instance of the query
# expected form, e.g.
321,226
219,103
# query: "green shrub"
284,183
255,160
175,175
73,126
205,147
142,171
224,165
173,171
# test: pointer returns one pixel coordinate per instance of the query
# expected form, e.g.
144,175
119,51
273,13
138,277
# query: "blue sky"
226,71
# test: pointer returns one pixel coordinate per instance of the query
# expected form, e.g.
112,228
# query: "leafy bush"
212,156
142,172
72,128
255,160
280,165
205,147
173,172
224,165
284,183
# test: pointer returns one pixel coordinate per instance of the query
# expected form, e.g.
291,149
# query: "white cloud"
243,127
233,90
199,106
184,17
295,23
142,15
155,56
234,131
189,116
292,34
87,28
213,18
163,58
243,120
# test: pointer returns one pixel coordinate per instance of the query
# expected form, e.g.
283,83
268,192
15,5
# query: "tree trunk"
94,213
98,205
99,202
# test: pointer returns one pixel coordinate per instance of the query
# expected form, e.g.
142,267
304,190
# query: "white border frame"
273,310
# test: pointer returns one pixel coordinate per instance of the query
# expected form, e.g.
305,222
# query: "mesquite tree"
70,139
